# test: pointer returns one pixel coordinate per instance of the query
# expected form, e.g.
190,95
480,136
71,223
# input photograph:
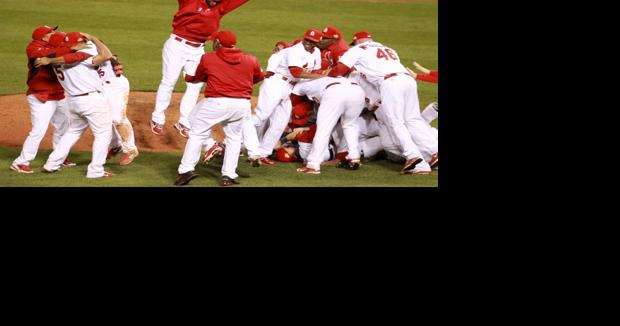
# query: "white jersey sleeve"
275,60
351,57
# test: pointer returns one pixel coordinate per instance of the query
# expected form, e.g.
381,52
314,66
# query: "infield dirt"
15,124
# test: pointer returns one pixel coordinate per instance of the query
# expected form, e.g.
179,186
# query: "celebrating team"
347,102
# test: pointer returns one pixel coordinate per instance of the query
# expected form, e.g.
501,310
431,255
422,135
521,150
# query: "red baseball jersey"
195,20
228,73
331,55
432,77
42,81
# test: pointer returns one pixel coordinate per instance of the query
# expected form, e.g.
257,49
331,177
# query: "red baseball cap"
313,35
42,31
57,39
301,113
284,156
284,45
332,32
73,38
226,38
360,35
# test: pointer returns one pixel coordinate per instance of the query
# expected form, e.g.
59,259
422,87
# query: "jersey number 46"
381,54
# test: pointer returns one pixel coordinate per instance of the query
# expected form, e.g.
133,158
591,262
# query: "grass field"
160,170
136,31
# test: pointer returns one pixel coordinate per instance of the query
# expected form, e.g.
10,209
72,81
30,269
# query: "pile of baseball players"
319,101
322,101
75,82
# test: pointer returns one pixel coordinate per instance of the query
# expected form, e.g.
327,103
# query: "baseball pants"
344,102
231,113
176,57
274,104
399,98
389,144
92,111
117,94
41,115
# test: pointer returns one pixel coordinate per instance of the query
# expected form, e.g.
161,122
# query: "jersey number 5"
59,73
382,55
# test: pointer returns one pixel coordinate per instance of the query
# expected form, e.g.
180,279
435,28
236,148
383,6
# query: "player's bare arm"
413,74
420,68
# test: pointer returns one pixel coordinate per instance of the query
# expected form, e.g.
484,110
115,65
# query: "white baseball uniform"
87,108
274,101
231,113
381,66
41,115
116,91
341,99
178,55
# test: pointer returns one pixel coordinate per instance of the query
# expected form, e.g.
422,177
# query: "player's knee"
166,82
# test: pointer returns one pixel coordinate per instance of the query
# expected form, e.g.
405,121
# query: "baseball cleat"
107,174
68,163
349,164
212,152
410,165
113,151
185,178
434,160
228,181
48,170
308,170
21,168
157,128
254,161
183,130
128,157
266,161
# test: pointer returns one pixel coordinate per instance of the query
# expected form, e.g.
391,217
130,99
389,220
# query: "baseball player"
249,134
381,66
230,75
88,106
431,112
340,99
193,24
298,63
45,96
431,76
387,140
116,91
332,47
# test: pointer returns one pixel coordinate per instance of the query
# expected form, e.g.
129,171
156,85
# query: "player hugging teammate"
66,78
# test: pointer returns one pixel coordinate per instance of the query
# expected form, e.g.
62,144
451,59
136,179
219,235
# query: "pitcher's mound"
15,124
